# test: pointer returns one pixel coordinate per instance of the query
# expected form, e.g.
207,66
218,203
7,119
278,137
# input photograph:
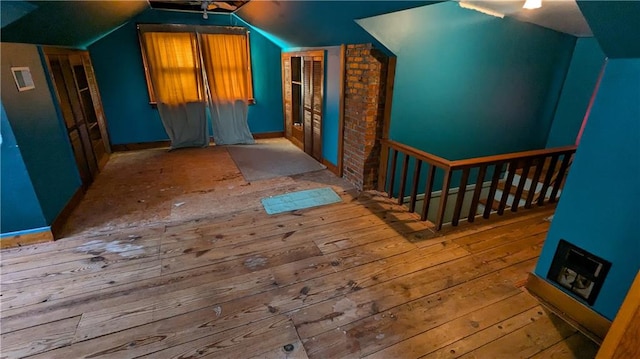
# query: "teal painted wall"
598,208
39,132
18,201
119,70
469,84
586,63
267,114
331,117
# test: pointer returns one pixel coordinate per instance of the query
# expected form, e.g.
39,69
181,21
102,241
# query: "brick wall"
365,84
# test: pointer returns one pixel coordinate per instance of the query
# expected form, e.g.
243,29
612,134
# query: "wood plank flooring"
358,279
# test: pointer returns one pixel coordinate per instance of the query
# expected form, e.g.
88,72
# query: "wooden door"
60,70
89,107
78,98
292,98
317,101
307,100
287,95
303,79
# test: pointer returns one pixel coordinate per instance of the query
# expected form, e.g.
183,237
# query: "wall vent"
578,271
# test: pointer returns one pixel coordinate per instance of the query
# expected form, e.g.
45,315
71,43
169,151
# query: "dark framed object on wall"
577,271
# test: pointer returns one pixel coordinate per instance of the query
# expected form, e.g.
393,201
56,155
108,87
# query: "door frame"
286,81
70,84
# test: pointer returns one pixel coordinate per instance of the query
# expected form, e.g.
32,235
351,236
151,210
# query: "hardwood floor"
361,278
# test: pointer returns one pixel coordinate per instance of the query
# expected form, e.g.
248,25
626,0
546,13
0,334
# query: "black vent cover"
578,271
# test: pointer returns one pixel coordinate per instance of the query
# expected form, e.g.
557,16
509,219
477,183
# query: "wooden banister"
414,152
527,162
474,162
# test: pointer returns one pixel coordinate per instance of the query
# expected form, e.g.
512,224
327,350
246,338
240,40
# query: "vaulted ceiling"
616,25
318,23
65,23
311,23
559,15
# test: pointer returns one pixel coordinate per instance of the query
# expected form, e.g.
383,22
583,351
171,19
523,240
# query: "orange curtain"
174,66
227,66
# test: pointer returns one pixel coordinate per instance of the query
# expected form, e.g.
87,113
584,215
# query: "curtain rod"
205,29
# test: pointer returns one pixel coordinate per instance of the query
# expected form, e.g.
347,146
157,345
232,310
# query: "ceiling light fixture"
205,6
470,6
532,4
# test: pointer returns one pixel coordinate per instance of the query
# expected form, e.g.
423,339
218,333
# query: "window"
191,63
174,60
227,66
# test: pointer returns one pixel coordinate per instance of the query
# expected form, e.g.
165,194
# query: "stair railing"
527,161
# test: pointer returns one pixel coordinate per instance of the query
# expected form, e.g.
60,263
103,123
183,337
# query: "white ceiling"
560,15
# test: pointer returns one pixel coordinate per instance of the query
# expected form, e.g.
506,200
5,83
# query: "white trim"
26,80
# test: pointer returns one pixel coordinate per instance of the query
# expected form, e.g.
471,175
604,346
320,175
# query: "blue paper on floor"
299,200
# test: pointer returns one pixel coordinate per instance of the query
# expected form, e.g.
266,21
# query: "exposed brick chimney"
364,107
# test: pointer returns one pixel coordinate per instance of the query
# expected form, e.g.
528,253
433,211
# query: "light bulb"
532,4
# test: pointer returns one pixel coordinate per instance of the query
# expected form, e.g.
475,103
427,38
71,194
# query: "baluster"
414,190
476,193
460,197
492,190
521,184
558,181
534,181
524,191
394,158
403,183
443,199
384,164
507,187
428,188
547,179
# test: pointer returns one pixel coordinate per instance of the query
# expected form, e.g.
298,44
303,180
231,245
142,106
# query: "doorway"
302,86
77,94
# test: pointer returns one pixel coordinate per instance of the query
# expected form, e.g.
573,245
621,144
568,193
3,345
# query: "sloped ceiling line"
74,24
310,23
615,24
14,10
295,24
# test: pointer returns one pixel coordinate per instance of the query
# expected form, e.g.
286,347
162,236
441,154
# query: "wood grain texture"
622,339
586,319
362,278
26,239
265,135
629,345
